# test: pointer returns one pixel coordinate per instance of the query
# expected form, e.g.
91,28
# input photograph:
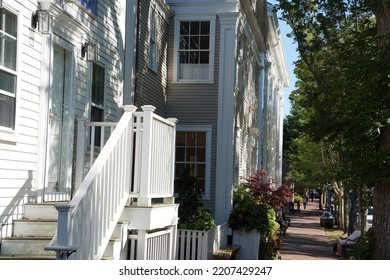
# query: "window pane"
184,42
190,155
205,28
180,138
204,57
7,47
8,22
201,154
201,139
194,57
201,171
7,111
194,28
205,42
194,43
191,138
98,85
97,115
185,28
8,82
180,154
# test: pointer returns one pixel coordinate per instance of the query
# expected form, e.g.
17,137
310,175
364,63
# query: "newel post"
147,137
63,248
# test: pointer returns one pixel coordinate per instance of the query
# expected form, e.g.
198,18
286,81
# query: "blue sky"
291,56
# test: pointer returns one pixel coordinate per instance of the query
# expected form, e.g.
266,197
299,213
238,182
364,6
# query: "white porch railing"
200,245
86,224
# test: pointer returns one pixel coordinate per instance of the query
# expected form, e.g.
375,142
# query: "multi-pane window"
192,155
8,75
97,99
194,50
153,39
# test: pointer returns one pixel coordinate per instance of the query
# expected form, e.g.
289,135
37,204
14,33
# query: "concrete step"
25,246
34,228
26,257
46,211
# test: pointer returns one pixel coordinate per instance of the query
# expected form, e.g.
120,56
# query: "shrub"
192,214
364,249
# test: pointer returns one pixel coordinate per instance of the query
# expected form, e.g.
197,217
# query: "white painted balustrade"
136,162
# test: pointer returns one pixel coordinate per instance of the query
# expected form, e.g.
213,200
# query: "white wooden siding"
20,165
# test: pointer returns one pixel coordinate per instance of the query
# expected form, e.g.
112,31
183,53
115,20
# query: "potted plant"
253,218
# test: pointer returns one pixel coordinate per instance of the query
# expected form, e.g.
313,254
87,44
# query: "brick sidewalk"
306,239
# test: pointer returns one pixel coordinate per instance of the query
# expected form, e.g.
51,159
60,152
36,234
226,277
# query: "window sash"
193,149
194,50
8,74
153,39
98,75
97,100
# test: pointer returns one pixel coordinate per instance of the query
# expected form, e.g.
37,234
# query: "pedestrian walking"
305,200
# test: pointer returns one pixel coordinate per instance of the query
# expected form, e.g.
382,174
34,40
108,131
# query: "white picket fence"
200,245
158,244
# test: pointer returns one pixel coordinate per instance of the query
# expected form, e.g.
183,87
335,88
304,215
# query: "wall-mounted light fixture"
89,51
43,20
42,17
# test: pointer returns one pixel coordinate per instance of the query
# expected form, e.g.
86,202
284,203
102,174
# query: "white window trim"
7,134
178,19
208,130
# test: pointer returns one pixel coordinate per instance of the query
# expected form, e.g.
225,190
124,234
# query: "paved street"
306,239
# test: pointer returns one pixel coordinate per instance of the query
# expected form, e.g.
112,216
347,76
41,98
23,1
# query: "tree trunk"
381,221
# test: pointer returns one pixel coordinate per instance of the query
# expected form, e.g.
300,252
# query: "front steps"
35,230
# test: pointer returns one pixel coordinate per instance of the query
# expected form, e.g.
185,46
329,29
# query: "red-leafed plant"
265,190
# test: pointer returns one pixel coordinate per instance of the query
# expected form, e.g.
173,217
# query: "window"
193,156
153,39
97,99
194,53
8,76
90,5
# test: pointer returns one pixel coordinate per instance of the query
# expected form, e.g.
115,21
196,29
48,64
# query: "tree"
381,226
344,84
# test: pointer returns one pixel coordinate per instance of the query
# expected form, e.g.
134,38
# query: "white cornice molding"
275,45
255,27
202,6
67,17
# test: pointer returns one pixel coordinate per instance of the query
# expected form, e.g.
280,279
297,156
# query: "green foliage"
364,249
192,214
254,209
248,214
201,219
338,107
298,199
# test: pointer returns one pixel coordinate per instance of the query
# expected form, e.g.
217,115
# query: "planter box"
249,242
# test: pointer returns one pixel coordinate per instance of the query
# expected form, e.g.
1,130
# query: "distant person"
352,239
282,223
305,200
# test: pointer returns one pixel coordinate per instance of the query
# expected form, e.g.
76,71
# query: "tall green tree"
344,82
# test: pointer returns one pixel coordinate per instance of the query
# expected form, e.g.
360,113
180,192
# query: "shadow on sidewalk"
306,239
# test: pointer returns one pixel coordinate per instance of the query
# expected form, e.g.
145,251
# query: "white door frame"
46,85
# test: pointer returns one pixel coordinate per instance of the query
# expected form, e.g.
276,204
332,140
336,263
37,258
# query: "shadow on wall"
15,207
